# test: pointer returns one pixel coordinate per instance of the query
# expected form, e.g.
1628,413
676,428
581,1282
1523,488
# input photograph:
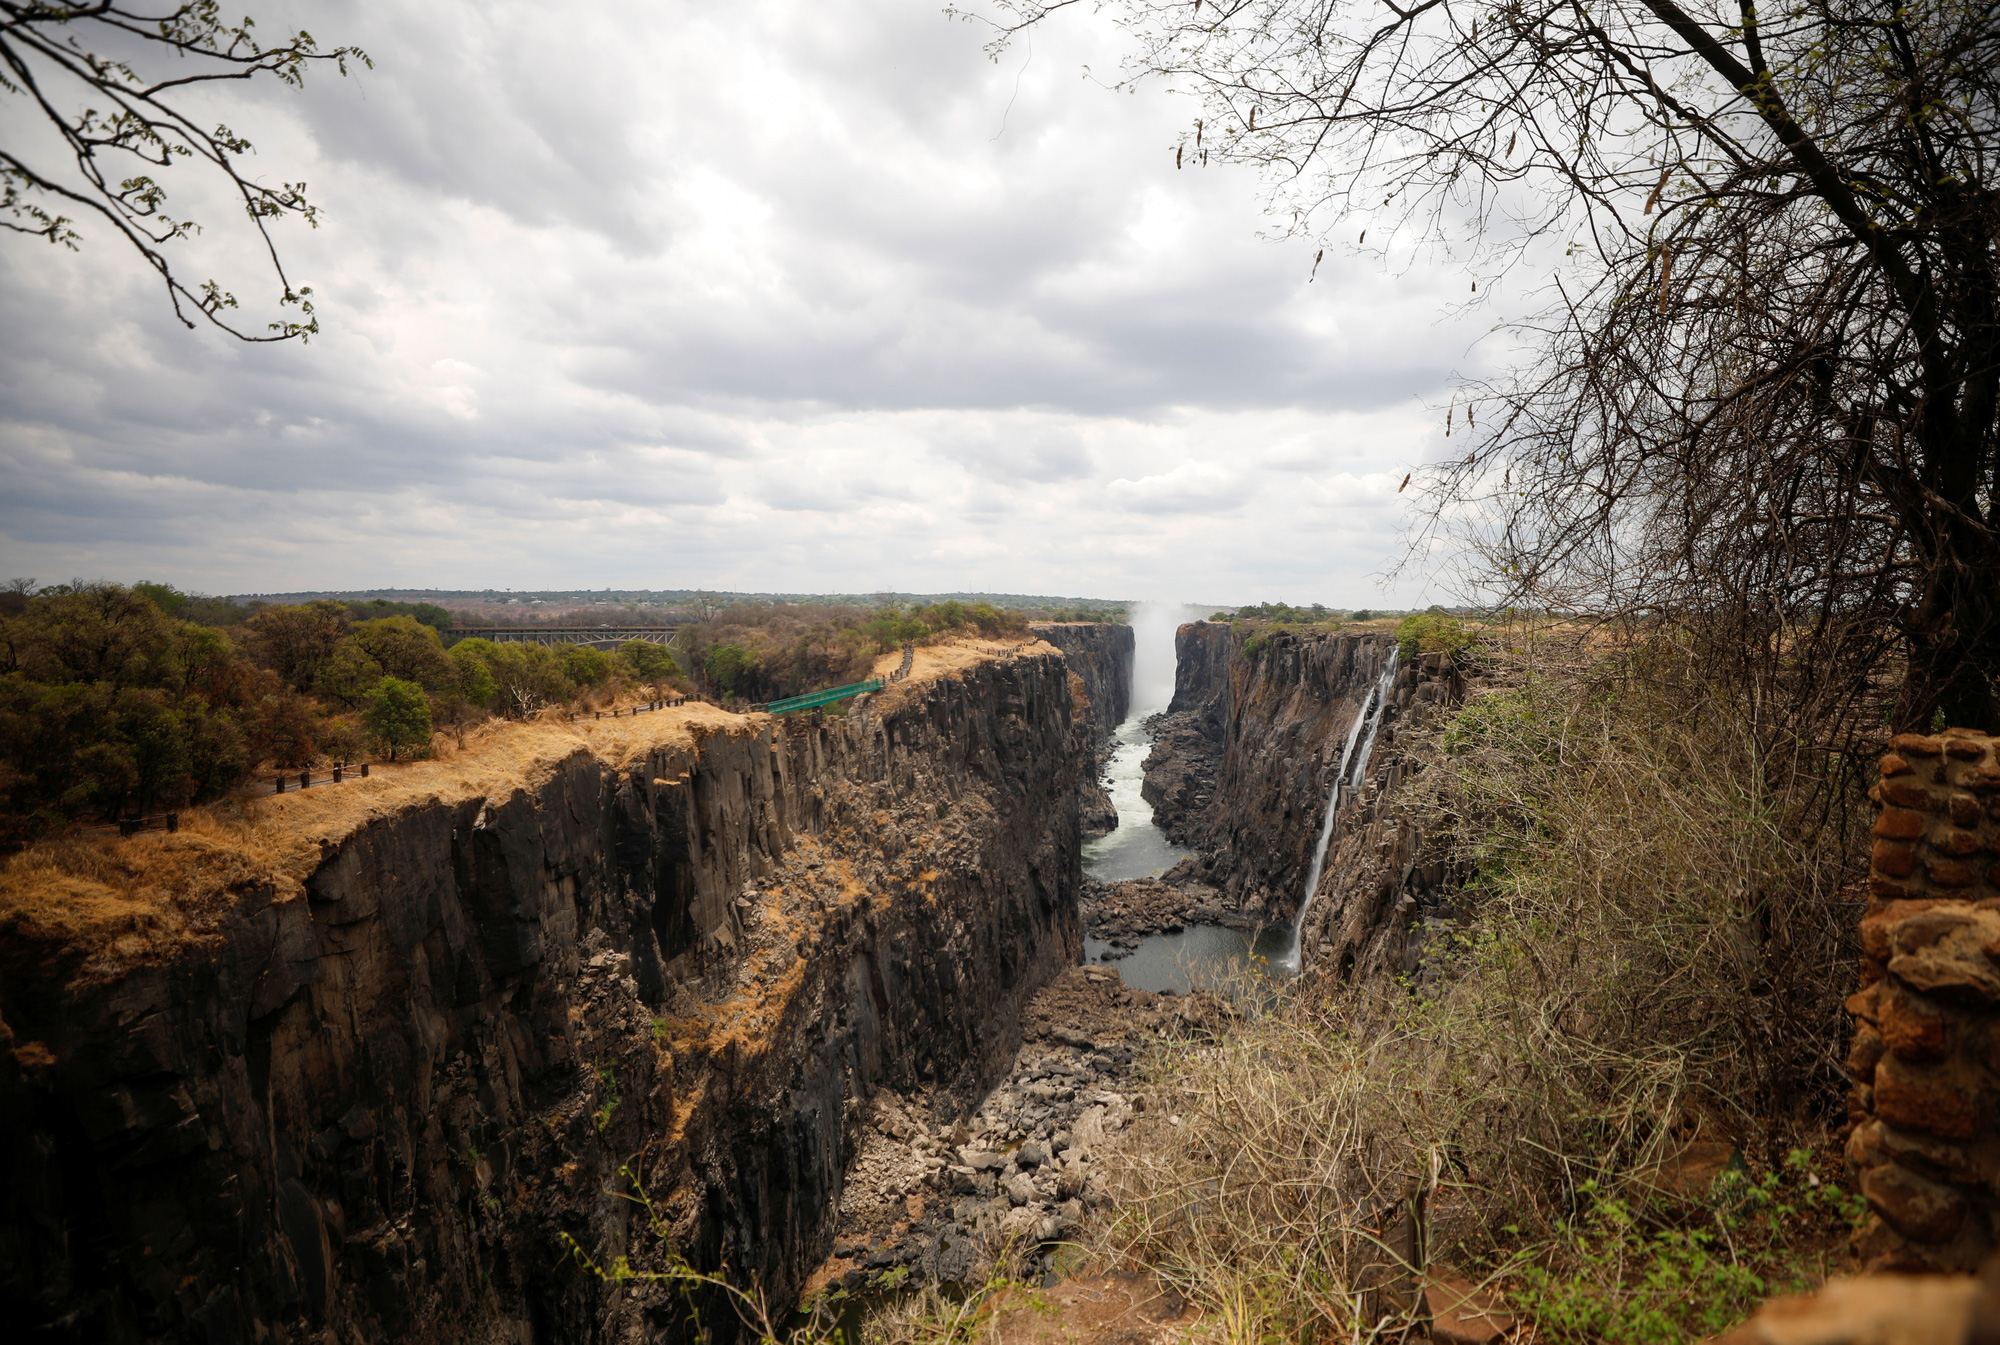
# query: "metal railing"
341,770
812,700
667,704
133,825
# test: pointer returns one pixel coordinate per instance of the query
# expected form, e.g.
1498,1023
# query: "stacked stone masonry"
1925,1066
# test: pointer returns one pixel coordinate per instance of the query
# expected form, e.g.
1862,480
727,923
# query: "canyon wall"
1100,655
1245,758
1384,877
375,1063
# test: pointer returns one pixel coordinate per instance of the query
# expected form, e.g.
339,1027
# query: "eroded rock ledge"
354,1072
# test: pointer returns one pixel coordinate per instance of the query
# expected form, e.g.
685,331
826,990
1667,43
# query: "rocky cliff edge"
373,1061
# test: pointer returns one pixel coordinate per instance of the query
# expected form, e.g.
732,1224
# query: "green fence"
817,698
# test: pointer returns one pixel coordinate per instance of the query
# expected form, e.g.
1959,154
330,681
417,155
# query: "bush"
398,715
1432,632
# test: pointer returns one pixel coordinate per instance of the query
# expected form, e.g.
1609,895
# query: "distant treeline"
123,699
711,600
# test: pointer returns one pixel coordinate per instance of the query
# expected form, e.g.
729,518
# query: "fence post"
173,821
336,772
306,778
364,770
281,784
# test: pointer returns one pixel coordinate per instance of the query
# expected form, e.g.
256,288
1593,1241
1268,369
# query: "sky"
773,295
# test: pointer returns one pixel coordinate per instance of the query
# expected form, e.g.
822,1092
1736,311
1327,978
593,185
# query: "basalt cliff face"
363,1069
1245,757
1385,878
1101,655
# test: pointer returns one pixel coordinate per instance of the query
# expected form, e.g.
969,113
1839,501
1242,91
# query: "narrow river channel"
1212,957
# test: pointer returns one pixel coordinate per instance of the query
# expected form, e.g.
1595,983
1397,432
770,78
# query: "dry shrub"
1652,947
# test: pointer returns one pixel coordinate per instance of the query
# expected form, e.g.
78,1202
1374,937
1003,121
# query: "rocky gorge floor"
1121,913
943,1198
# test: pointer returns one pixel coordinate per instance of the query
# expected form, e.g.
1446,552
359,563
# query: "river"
1199,956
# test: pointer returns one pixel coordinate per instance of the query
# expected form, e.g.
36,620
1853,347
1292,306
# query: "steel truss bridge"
598,637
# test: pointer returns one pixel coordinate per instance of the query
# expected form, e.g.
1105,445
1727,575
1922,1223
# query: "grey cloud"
748,292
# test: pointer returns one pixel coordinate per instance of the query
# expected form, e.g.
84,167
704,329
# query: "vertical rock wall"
1101,653
1925,1103
1100,656
1245,757
397,1054
1383,877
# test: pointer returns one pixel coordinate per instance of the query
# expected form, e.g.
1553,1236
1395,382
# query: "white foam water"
1352,771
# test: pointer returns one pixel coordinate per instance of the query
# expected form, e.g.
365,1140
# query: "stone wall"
1925,1102
413,1028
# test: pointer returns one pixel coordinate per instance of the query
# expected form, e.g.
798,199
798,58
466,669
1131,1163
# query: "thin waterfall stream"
1199,956
1348,775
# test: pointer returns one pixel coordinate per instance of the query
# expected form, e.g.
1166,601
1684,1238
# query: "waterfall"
1368,720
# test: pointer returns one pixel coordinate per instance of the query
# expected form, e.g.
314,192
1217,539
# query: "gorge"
382,1059
361,1062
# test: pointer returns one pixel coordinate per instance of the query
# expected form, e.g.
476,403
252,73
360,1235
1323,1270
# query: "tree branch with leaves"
120,130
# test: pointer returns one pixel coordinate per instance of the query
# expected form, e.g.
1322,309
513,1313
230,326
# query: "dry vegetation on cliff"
1648,969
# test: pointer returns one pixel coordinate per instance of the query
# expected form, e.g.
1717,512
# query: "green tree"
653,664
525,676
407,649
424,613
163,596
295,641
585,666
476,683
108,705
350,676
397,715
730,667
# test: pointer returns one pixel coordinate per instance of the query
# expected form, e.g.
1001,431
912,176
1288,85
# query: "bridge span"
598,637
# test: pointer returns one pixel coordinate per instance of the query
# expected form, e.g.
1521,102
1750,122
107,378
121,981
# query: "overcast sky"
767,295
